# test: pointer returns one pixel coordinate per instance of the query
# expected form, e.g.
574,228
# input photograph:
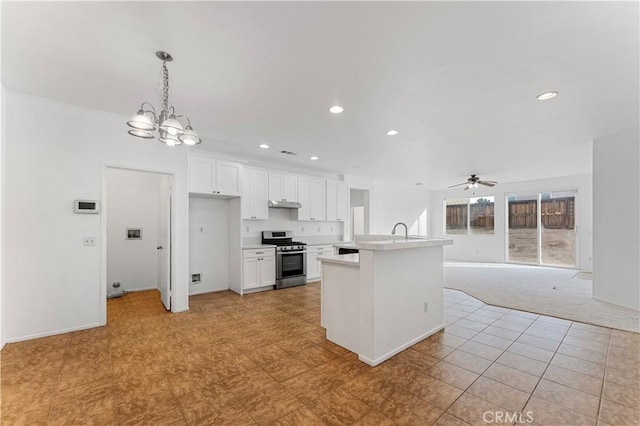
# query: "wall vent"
195,279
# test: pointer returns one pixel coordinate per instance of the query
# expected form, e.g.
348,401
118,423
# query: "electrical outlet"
201,230
426,307
89,241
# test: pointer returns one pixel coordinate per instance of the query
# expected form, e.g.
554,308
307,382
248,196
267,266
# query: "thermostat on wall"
86,206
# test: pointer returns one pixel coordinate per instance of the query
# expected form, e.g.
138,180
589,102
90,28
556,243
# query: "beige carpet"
562,293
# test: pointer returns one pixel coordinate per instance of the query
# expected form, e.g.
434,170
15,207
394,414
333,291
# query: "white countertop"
257,246
346,244
320,240
401,243
344,259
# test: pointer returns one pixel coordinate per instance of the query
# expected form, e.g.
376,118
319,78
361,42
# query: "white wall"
616,213
133,199
280,219
392,203
2,170
55,153
492,248
209,244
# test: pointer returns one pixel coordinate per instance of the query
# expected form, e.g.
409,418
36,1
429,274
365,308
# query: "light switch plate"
89,241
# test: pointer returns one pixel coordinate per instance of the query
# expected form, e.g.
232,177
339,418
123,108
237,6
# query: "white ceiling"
458,80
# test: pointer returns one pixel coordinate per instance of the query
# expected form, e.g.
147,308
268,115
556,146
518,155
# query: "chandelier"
170,130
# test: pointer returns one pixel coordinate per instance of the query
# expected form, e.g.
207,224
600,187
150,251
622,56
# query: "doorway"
541,228
359,215
137,231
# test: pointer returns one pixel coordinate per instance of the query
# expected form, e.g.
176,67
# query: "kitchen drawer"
265,252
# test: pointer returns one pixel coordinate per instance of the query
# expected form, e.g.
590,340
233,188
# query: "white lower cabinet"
313,264
259,268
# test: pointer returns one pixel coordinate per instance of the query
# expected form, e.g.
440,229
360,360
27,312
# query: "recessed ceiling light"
546,96
313,158
264,146
336,109
392,132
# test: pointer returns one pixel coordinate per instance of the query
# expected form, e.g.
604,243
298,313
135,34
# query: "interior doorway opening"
359,215
137,209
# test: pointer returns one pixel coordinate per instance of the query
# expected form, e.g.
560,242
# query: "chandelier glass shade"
170,130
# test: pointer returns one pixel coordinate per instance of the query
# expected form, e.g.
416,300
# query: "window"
481,215
457,216
472,214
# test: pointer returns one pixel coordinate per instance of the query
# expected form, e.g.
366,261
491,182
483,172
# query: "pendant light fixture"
171,131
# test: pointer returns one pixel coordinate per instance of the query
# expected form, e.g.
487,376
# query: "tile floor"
263,359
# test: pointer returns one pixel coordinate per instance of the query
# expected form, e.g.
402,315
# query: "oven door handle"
282,253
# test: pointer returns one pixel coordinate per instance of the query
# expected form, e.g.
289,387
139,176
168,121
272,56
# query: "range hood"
284,204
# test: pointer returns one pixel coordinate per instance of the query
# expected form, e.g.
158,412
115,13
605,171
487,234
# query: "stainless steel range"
291,258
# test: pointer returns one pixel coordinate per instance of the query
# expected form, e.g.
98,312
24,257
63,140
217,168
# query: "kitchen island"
384,299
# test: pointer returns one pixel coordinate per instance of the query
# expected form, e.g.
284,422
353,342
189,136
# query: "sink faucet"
406,231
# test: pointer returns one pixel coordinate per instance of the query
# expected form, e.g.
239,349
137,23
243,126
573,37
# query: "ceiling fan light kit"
171,131
474,181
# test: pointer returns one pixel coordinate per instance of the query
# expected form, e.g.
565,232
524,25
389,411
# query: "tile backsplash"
280,220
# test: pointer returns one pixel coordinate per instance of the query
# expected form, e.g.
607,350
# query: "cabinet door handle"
259,252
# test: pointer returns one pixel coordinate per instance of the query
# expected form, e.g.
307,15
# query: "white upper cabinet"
337,201
201,174
211,176
311,195
283,187
228,178
342,203
255,194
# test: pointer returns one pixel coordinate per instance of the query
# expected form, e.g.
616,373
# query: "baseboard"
141,289
52,333
175,311
215,290
400,348
259,289
635,308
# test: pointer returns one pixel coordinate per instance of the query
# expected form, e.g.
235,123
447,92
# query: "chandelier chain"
165,87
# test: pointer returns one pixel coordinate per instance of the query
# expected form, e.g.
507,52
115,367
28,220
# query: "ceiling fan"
473,181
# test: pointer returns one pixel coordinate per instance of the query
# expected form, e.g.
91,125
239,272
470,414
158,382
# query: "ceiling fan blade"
463,183
467,187
487,183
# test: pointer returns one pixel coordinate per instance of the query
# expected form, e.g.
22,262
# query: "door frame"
539,227
103,233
